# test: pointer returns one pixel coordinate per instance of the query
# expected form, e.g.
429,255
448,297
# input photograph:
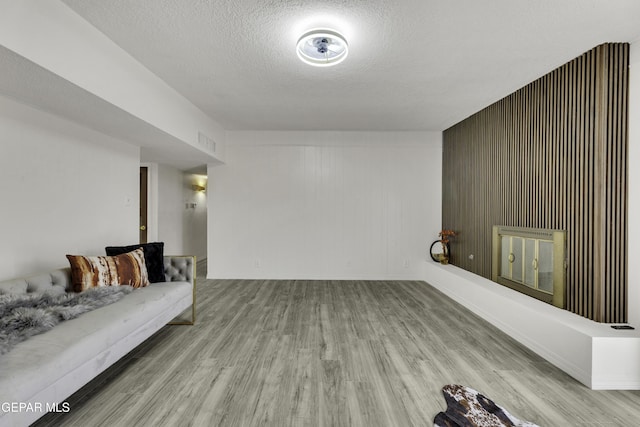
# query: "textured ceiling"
412,65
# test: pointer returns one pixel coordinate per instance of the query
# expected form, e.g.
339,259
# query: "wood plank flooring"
331,353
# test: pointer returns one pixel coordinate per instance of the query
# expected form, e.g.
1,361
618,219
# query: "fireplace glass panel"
529,263
545,266
516,265
505,268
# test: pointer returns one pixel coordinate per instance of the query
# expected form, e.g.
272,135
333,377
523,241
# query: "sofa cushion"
94,271
94,340
153,257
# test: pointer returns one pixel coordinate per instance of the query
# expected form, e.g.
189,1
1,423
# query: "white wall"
64,189
315,205
171,209
634,186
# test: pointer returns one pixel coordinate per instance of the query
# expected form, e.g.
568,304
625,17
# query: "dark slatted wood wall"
551,155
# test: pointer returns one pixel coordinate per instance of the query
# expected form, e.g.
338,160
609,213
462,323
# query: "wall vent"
207,143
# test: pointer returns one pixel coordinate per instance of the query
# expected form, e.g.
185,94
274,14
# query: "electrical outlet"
256,263
405,263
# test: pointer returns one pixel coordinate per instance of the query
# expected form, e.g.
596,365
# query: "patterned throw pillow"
153,257
95,271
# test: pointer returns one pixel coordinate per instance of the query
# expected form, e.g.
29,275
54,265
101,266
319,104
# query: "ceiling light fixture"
322,48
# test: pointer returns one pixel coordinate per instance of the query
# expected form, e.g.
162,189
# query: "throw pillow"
96,271
153,257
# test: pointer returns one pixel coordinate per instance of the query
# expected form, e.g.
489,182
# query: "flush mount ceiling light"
322,48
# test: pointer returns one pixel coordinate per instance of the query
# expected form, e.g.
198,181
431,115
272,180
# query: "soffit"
31,84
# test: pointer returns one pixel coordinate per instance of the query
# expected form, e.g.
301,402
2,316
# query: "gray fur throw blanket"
25,315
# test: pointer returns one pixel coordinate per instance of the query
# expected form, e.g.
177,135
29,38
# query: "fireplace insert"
531,261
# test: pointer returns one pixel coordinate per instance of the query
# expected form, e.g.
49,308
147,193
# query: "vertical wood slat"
551,155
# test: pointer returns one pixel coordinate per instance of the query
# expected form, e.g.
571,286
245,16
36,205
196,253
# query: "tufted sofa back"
56,281
176,269
179,268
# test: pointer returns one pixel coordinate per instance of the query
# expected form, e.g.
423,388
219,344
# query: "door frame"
152,200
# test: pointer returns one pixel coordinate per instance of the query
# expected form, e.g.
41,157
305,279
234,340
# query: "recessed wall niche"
552,155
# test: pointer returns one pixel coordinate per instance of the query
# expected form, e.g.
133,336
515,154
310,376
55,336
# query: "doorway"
144,180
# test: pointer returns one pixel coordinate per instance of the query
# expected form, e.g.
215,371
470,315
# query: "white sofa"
46,369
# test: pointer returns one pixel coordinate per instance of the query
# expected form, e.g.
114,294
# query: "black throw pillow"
153,257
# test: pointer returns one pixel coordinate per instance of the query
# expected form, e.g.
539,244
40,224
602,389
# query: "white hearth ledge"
598,356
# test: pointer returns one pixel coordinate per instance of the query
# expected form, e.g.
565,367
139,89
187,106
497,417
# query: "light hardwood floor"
331,353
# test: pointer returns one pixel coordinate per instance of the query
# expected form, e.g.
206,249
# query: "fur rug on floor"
25,315
468,408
